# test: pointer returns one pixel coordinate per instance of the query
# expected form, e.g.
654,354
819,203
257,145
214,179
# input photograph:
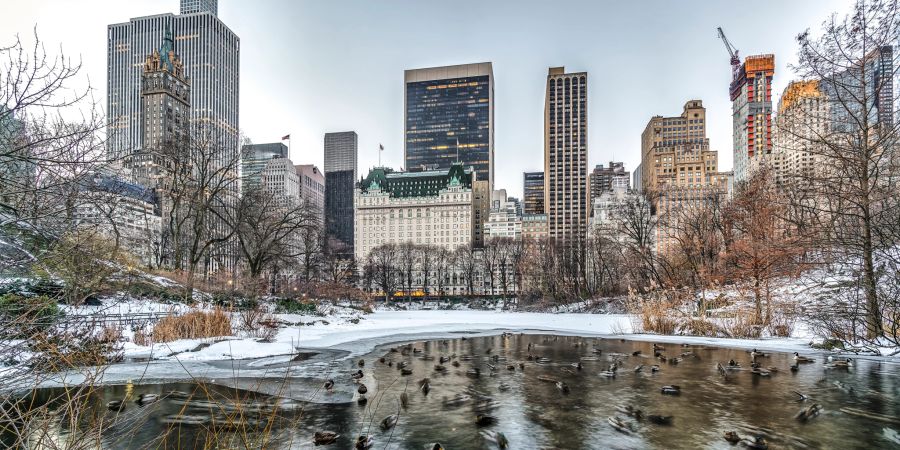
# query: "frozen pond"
508,384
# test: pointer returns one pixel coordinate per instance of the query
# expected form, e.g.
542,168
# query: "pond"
526,389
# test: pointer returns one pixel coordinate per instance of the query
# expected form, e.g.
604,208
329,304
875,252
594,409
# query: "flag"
380,147
285,137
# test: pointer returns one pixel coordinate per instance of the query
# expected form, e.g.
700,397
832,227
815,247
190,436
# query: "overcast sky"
310,67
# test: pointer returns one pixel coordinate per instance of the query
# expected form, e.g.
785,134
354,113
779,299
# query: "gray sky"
309,67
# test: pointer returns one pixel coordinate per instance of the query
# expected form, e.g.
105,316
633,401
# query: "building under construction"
751,105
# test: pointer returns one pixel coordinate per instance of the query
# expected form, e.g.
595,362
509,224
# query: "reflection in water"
531,391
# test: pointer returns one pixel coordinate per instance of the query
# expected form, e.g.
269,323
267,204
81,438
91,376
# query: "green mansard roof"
416,184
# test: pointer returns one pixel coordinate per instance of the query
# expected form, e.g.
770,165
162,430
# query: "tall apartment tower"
449,117
751,106
165,107
802,118
533,190
341,151
675,150
566,192
210,52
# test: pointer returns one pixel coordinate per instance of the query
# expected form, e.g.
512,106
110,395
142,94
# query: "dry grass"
743,325
142,337
656,312
196,324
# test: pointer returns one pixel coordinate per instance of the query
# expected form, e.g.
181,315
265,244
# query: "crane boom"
733,52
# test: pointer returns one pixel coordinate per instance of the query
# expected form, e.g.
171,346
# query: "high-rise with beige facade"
678,167
802,118
567,192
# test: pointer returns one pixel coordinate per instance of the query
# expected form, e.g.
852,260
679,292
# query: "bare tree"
382,264
444,261
855,189
407,265
467,263
427,257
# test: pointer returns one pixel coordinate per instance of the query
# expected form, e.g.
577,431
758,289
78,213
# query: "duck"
521,365
440,368
115,405
388,422
721,369
362,389
547,379
809,412
357,375
443,359
563,387
732,436
503,387
760,371
362,400
658,348
639,368
608,374
732,364
146,399
758,443
484,420
636,353
425,385
672,389
457,400
801,397
381,360
597,351
406,371
660,420
496,437
325,437
577,365
361,363
402,364
619,425
404,400
802,359
474,372
364,442
510,367
631,411
795,367
654,368
434,446
841,364
455,363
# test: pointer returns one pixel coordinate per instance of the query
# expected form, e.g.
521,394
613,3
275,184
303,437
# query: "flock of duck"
627,419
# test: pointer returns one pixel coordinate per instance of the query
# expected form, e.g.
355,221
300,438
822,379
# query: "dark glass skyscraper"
341,150
450,117
534,192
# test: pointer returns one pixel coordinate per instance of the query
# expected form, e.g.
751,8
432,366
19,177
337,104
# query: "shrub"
294,306
25,316
196,324
258,323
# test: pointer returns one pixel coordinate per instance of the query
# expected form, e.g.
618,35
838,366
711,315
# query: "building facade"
605,179
802,119
255,158
312,187
165,112
432,207
449,118
534,227
280,178
533,192
567,193
679,168
210,53
341,153
751,106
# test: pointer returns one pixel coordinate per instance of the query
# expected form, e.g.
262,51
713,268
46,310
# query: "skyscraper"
449,117
165,111
533,190
751,106
210,53
567,193
341,151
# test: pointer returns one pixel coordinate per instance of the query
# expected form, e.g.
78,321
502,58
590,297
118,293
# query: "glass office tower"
449,117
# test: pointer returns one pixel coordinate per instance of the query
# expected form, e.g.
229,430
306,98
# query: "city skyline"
363,88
